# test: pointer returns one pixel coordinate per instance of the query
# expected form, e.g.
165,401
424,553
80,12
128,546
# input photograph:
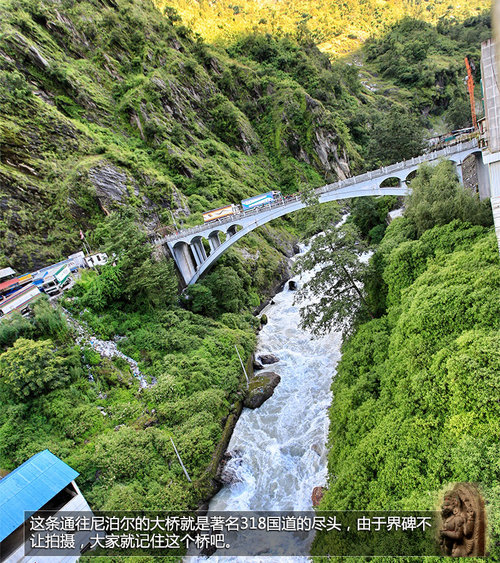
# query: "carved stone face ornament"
463,525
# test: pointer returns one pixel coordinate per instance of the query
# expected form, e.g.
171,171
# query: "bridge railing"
288,200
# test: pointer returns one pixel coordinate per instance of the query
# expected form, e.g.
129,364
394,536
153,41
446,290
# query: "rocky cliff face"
109,104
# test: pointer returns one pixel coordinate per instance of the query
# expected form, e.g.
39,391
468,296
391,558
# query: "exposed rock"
110,184
292,285
228,467
208,550
325,145
261,388
317,494
267,359
257,365
37,58
316,448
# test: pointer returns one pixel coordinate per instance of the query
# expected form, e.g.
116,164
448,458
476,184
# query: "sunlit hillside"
336,26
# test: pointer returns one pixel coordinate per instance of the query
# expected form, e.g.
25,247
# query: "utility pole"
243,366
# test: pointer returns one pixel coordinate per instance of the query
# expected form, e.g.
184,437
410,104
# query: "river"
280,448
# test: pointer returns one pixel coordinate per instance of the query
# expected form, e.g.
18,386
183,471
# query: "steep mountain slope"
107,103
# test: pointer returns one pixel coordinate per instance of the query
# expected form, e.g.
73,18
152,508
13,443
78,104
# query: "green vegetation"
424,64
338,27
415,396
122,122
116,107
437,198
116,433
337,250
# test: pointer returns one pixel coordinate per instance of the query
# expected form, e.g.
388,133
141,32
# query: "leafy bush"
437,198
414,404
30,368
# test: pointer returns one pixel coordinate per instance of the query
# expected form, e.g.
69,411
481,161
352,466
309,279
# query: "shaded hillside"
424,64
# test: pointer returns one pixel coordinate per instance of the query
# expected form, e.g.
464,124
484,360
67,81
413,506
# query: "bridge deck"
189,252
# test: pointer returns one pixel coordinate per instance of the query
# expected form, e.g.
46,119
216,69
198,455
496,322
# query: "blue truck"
261,199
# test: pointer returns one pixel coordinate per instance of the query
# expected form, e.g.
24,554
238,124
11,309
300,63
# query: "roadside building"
43,482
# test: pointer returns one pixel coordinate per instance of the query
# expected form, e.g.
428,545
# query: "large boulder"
228,469
261,388
267,359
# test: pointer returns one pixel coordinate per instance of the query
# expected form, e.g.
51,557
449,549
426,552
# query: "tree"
437,198
200,300
137,277
230,288
458,114
337,288
397,135
30,368
369,214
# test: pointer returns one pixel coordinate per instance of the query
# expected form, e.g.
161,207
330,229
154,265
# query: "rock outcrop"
228,468
261,388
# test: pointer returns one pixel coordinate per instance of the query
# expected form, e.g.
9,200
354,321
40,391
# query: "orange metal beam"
470,88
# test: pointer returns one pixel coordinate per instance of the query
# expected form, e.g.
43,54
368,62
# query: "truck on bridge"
261,199
249,203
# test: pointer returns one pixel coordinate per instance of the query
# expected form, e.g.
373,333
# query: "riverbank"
278,451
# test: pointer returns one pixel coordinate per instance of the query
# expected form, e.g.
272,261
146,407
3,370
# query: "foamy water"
281,446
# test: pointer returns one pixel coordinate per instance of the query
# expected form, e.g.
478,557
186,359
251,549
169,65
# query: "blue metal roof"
29,487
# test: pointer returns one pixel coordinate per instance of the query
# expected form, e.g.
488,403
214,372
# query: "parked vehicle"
220,212
261,199
19,300
7,273
76,261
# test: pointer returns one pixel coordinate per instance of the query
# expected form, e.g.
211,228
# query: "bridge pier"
184,259
214,241
198,251
483,178
458,170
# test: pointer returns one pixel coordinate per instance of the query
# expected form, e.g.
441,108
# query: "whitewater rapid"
280,448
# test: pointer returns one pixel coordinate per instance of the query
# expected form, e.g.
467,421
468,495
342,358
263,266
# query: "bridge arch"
188,249
392,182
273,213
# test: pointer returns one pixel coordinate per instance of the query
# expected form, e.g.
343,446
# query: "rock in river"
268,359
257,365
261,388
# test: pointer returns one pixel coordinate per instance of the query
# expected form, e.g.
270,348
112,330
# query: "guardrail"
287,200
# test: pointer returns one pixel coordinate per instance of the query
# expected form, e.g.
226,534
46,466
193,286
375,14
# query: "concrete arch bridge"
188,248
